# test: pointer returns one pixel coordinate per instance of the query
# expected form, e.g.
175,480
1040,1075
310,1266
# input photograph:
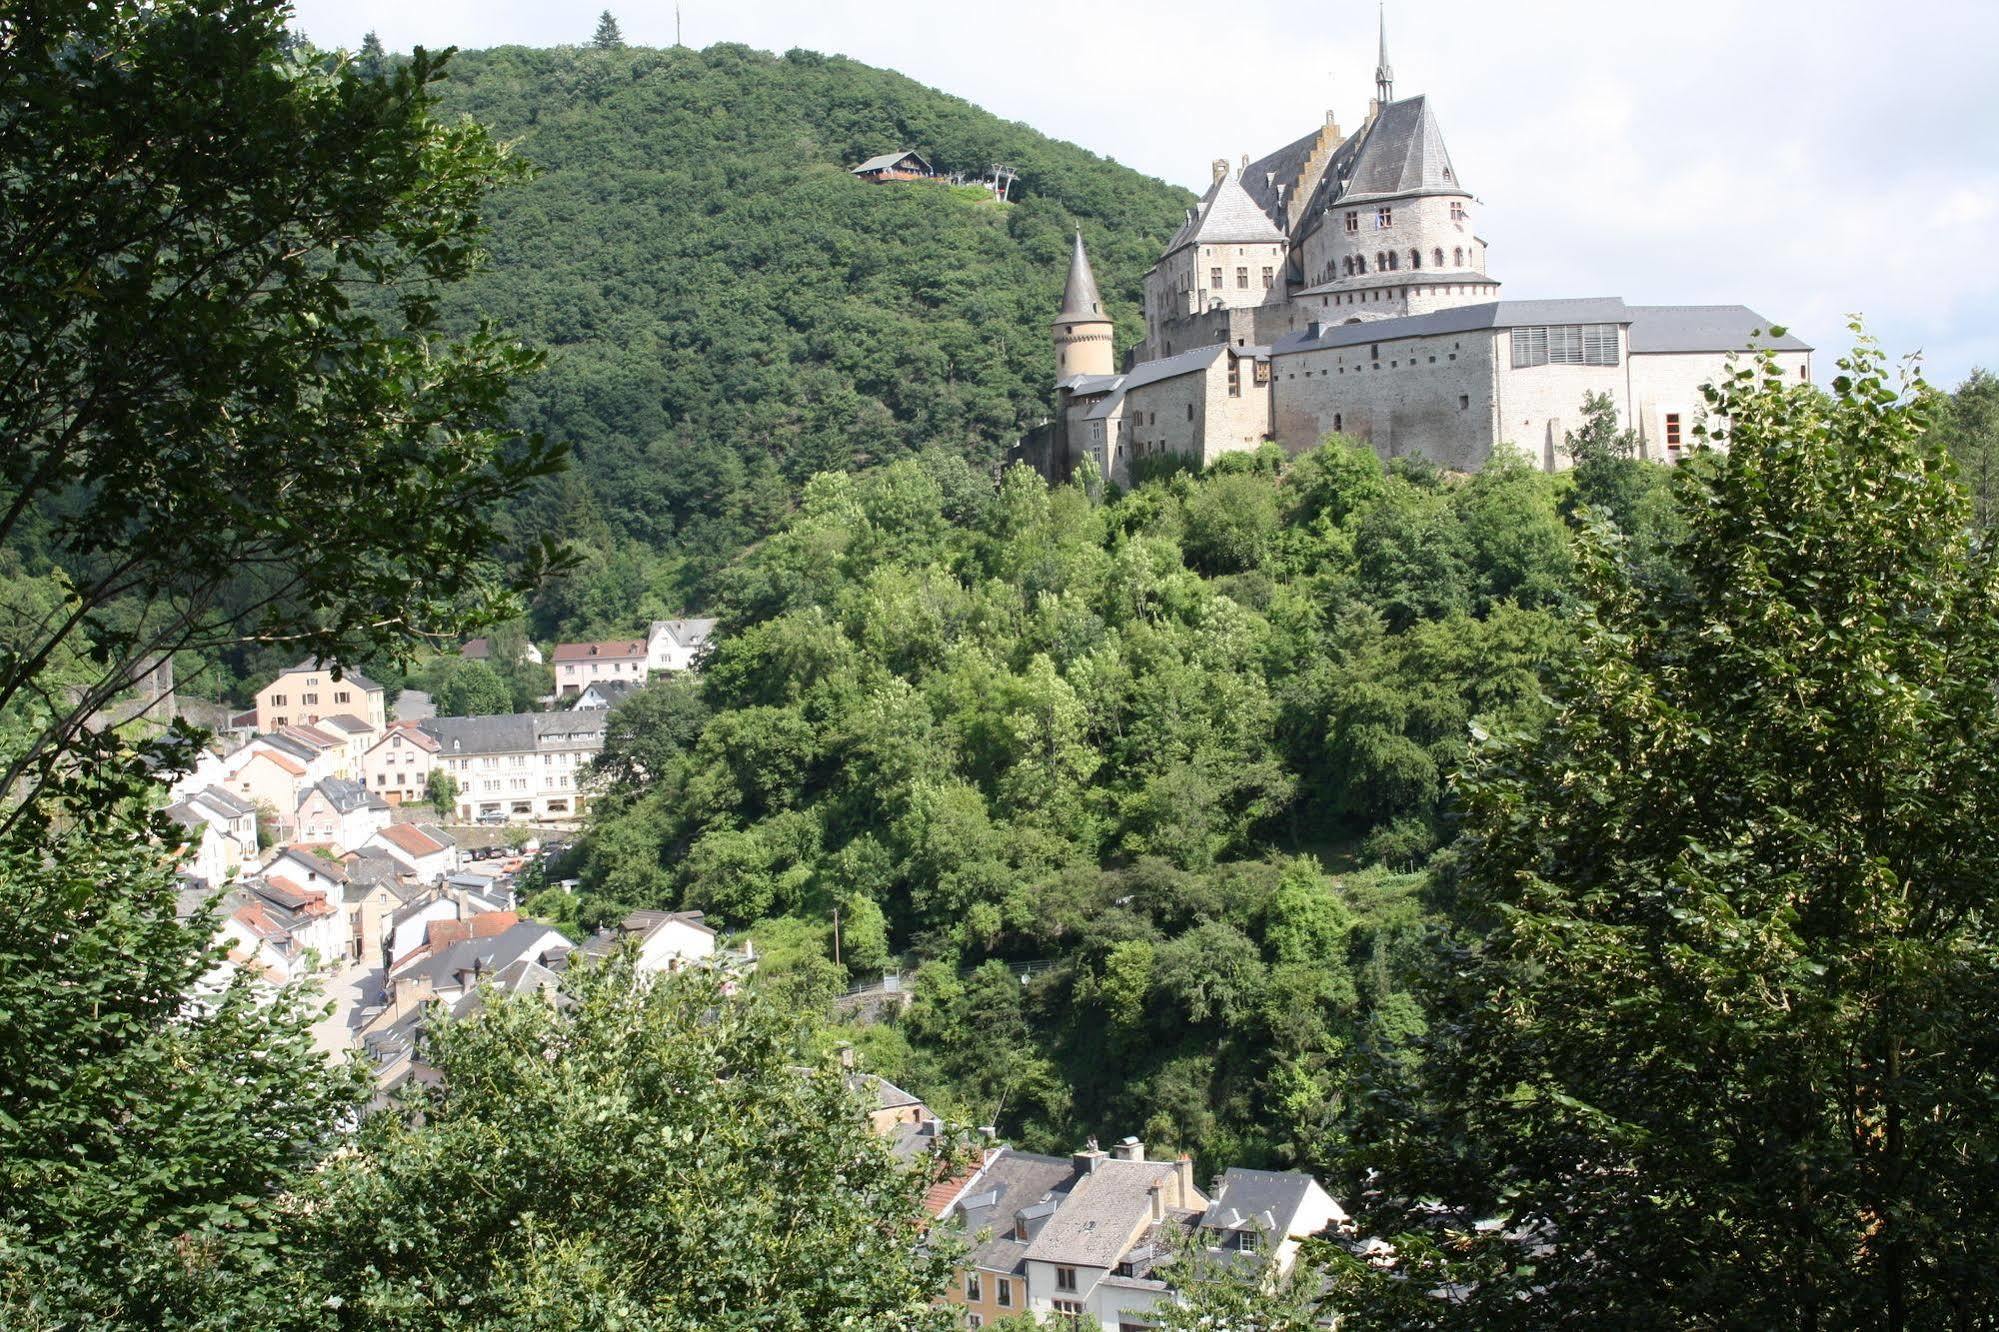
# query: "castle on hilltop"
1339,284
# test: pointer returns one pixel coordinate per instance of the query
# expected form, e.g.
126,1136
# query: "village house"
340,814
397,765
670,941
602,695
524,766
677,645
425,851
580,664
307,692
225,829
481,649
283,925
1269,1212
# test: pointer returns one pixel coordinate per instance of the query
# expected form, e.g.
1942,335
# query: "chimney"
1221,168
1129,1149
1087,1160
988,1132
845,1051
1183,1170
1245,164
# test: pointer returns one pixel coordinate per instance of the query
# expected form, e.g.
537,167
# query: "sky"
1811,159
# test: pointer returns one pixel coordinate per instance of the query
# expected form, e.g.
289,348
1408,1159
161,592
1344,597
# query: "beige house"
580,664
397,766
527,765
308,692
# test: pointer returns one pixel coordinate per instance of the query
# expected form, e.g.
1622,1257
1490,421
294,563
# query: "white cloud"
1806,160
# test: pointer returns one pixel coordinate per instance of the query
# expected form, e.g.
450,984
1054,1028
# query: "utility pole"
836,936
676,25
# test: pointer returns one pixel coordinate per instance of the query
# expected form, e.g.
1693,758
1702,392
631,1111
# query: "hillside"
730,311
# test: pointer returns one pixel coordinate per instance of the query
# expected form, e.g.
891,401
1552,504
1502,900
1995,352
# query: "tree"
151,1097
372,61
463,688
1722,1054
224,265
1218,1295
441,790
607,37
1970,426
649,730
649,1155
1599,438
229,418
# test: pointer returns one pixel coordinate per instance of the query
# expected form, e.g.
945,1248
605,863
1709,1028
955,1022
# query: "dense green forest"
729,311
1186,743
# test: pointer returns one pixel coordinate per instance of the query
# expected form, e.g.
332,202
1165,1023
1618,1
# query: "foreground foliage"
1723,1054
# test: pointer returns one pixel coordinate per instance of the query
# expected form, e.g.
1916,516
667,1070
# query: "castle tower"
1083,328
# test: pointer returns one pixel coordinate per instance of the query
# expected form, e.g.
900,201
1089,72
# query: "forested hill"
730,310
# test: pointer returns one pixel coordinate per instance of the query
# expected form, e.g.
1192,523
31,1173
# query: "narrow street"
352,988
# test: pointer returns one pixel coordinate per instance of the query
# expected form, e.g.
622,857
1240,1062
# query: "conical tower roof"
1081,302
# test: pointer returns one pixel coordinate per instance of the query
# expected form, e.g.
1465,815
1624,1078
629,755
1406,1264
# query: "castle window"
1190,411
1672,430
1215,278
1336,421
1437,258
1353,223
1458,256
1384,218
1464,402
1565,344
1242,279
1415,258
1394,260
1269,278
1457,211
1374,351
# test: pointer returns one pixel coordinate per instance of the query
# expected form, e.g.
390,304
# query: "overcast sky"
1808,158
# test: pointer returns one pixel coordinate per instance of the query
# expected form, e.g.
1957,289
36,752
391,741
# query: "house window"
1069,1308
309,700
1242,279
1005,1292
1065,1278
277,700
1384,218
1353,223
1215,278
973,1293
1672,430
1020,1227
340,696
973,1320
1269,278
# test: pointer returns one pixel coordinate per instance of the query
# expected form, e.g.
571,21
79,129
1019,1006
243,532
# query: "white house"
677,645
340,813
529,765
667,940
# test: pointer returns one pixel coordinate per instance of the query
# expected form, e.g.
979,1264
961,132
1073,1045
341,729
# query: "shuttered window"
1565,344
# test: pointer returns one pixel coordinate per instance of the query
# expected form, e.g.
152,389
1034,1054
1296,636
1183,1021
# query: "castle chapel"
1339,284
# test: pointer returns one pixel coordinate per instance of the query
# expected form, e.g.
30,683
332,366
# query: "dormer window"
1245,1241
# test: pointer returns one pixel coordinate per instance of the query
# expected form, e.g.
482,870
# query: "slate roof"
1104,1210
307,858
411,732
1263,1201
369,868
1405,277
340,721
1151,372
1703,328
346,796
1459,319
1013,1182
231,805
1081,301
290,746
316,664
688,632
611,691
1226,214
1402,153
1286,165
516,733
491,954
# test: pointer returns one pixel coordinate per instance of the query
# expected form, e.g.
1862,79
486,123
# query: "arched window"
1457,256
1349,265
1393,260
1360,263
1415,258
1438,258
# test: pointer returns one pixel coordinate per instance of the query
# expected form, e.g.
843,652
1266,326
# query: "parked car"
491,817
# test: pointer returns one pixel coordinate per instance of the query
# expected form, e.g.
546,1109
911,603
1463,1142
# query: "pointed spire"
1080,300
1384,73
